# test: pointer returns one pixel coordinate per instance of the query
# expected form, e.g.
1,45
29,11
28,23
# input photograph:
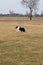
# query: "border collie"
21,29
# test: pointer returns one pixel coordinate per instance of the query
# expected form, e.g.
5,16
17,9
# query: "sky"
16,6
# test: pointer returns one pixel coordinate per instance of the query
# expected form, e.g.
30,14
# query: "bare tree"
31,4
27,13
11,12
42,13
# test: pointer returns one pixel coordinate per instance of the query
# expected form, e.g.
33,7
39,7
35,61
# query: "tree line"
32,5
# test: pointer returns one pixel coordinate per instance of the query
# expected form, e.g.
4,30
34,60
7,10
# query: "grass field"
18,48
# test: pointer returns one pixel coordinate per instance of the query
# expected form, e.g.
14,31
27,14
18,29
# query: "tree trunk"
30,14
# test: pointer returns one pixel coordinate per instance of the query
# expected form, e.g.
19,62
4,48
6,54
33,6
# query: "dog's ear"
16,26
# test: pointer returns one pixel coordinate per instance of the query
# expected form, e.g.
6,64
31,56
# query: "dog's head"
17,27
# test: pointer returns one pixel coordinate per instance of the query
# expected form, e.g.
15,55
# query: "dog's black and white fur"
21,29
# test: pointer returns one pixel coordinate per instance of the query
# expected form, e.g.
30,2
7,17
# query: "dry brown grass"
18,48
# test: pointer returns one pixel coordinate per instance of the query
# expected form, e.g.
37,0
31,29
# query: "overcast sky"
16,6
